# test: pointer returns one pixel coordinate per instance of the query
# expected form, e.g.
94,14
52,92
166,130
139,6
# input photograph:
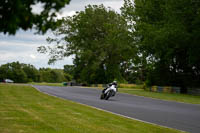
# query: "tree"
59,75
23,73
167,35
31,72
45,75
16,14
51,75
69,69
98,39
14,72
68,77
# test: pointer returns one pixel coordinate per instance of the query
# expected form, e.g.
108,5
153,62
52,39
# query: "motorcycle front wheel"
108,95
102,96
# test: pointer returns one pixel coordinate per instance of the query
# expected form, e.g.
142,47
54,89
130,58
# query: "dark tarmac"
181,116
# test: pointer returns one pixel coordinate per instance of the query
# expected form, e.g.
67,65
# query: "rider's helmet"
115,82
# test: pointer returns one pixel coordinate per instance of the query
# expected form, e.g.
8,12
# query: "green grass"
164,96
25,110
132,86
47,84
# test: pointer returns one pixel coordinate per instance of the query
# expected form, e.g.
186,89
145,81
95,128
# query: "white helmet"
115,82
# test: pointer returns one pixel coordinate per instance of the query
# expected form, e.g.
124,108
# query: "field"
25,110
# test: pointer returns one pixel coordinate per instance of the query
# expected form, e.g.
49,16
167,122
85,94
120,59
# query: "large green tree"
168,35
18,14
98,38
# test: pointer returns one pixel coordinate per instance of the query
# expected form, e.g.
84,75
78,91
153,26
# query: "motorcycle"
108,92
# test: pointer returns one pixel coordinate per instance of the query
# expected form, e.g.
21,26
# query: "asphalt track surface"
185,117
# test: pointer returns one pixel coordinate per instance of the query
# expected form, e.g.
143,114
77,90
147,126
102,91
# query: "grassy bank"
164,96
47,84
24,109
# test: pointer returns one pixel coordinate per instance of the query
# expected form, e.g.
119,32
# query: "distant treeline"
23,73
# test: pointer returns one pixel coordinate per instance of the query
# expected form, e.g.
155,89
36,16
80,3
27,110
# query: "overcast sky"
23,46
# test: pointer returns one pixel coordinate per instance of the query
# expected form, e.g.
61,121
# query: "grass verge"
185,98
24,109
47,84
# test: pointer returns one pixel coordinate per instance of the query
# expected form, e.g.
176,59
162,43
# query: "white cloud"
24,36
78,5
33,56
23,46
114,4
65,14
25,52
37,8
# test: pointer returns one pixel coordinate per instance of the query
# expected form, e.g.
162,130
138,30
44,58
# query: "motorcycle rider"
109,86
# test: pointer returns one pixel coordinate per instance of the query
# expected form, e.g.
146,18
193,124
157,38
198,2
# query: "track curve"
176,115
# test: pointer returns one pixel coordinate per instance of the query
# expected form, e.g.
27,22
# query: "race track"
180,116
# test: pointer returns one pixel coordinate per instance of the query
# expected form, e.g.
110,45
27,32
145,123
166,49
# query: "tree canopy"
168,35
151,41
17,14
98,38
